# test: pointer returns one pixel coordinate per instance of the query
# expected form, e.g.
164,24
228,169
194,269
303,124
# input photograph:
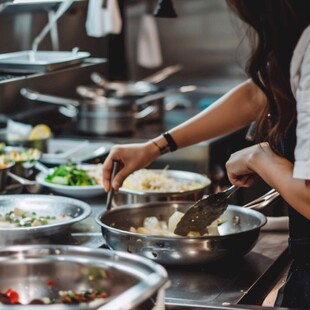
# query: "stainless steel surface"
99,116
41,61
40,144
128,280
130,196
206,285
42,205
24,164
238,234
204,212
32,186
4,176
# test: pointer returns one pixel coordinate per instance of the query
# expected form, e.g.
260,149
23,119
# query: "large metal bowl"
128,196
129,280
238,234
43,205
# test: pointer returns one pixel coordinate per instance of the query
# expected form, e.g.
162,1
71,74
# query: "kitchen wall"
205,38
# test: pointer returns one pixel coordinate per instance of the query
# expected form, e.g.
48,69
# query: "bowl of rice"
152,185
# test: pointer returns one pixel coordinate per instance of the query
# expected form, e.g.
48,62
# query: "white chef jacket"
300,84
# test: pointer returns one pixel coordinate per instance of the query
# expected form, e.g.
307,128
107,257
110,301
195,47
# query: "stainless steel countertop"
218,284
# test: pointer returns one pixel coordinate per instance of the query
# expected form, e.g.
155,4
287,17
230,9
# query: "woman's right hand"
131,157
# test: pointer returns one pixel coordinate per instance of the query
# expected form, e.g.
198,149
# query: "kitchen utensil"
4,169
61,151
45,61
239,232
128,196
140,88
131,282
204,212
99,116
69,190
63,7
115,168
24,158
32,186
45,205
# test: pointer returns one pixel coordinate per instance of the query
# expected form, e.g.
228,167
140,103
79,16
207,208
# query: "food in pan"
11,297
20,218
4,162
153,226
71,175
22,155
148,180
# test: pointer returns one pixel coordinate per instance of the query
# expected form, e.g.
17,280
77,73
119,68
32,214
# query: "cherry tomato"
13,295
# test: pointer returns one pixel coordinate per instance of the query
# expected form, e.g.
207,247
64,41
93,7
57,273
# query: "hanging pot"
99,115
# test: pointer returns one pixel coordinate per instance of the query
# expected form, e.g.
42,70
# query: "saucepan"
238,233
134,88
99,115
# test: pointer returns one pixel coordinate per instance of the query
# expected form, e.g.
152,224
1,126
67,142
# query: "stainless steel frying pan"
238,233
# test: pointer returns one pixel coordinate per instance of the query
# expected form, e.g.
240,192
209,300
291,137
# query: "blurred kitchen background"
205,39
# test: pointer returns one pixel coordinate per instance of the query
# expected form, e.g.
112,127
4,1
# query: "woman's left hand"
240,165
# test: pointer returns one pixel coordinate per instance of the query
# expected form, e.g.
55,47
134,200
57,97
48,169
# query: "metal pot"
128,196
155,100
100,115
37,271
134,88
238,233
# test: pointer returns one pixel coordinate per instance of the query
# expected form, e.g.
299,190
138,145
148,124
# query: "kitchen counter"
240,281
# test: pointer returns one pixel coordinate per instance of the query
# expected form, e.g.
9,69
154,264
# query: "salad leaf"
70,175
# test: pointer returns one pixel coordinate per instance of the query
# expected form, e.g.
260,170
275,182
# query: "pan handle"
263,201
162,74
68,106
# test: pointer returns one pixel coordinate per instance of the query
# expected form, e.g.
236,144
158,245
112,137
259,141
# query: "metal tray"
40,61
42,205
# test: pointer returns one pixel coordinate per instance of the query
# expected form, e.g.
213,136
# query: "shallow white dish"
73,191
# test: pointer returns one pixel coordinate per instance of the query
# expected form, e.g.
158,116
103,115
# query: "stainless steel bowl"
238,234
43,205
128,196
129,280
4,175
23,168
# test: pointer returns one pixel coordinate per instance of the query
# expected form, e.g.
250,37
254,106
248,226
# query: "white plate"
73,191
61,151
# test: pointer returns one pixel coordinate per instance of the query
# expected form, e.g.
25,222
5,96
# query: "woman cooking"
277,97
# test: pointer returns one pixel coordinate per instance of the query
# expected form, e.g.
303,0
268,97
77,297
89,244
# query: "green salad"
70,175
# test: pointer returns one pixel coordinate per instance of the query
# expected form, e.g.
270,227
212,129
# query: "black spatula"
204,212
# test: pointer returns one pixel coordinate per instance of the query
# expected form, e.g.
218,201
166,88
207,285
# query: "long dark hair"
277,25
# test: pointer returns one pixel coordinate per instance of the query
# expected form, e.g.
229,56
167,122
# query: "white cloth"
149,49
300,84
101,21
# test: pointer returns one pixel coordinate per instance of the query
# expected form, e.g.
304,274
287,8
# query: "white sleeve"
302,150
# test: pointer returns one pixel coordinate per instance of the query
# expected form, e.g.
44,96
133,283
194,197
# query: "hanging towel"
148,49
103,17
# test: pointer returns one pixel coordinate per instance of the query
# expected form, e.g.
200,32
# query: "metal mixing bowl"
129,196
42,205
128,280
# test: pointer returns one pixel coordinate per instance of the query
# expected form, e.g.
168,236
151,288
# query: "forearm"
277,171
231,112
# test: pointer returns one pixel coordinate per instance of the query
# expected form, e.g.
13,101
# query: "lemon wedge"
40,131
